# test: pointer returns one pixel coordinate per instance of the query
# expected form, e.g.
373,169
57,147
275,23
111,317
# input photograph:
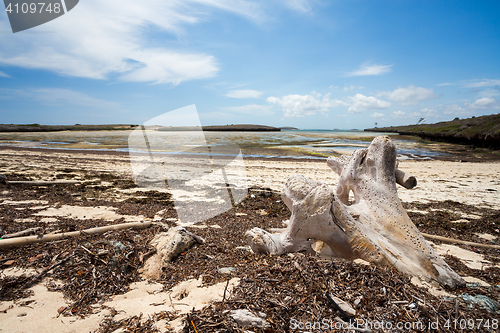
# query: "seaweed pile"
291,291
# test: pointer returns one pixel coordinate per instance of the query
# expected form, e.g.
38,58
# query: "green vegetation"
242,128
59,128
481,131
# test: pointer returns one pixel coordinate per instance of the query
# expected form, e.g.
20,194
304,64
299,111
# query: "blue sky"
303,63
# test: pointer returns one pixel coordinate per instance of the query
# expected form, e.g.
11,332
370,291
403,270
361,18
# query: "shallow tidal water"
286,144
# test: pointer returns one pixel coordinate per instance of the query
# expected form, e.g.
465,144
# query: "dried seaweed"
286,288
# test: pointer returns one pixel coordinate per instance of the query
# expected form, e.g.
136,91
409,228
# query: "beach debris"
21,233
246,318
458,241
346,307
483,301
3,180
339,305
20,241
375,227
226,270
169,245
358,302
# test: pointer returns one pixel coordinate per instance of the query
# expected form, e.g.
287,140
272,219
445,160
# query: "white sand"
88,213
468,183
39,313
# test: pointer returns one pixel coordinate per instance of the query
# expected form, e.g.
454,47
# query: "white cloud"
424,113
490,92
359,103
399,114
351,87
410,95
481,103
454,109
368,69
443,84
245,93
2,74
377,115
428,112
481,83
60,97
305,105
159,66
100,39
298,5
253,109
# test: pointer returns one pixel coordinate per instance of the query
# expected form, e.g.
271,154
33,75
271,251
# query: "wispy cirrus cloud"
481,83
303,6
59,97
115,38
2,74
244,93
370,69
253,109
410,95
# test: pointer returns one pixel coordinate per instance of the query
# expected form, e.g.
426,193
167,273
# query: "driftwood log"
20,241
375,227
21,233
42,182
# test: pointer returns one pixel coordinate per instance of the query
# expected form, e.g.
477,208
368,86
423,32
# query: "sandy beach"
474,183
453,199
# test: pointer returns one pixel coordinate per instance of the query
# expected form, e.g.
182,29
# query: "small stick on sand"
458,241
20,241
42,183
21,233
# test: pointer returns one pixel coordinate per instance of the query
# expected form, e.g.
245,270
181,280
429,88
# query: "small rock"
244,248
344,306
358,301
226,270
117,244
246,318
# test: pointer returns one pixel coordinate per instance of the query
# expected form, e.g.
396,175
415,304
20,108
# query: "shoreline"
452,199
475,183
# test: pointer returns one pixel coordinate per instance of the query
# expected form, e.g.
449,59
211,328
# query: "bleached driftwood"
21,233
3,180
458,241
42,182
20,241
375,227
